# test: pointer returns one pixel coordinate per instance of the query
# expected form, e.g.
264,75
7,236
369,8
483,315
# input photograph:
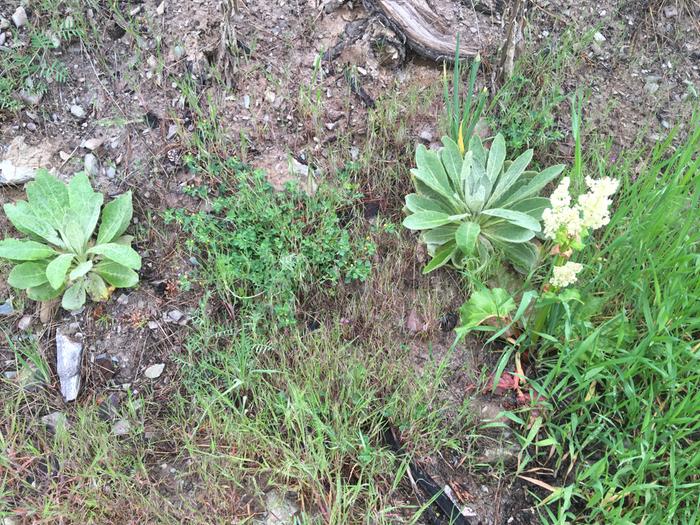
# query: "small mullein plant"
60,255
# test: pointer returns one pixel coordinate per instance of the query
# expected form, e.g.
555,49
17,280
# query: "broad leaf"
440,235
122,254
126,240
116,217
74,296
441,257
416,203
478,150
424,220
510,177
452,161
534,206
80,270
466,237
96,287
43,292
468,182
74,235
497,155
22,217
24,250
117,275
48,198
431,172
27,275
523,256
84,202
57,269
507,232
486,304
533,187
514,217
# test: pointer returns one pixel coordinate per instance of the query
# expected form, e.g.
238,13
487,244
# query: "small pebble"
77,111
153,325
123,299
19,17
598,37
175,316
91,164
25,322
161,8
4,24
154,371
6,308
670,11
121,428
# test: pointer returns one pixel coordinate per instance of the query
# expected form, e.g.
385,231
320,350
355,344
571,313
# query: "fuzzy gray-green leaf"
57,269
22,217
48,198
27,275
116,216
74,296
84,202
24,250
119,253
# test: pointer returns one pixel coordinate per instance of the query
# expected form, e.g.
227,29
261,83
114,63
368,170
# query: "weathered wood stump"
423,30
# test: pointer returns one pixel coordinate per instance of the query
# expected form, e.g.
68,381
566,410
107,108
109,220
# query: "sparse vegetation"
280,338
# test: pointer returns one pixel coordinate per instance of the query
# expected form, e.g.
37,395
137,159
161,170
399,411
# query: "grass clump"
622,377
262,249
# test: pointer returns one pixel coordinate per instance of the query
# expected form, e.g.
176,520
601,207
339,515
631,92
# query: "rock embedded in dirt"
599,37
21,161
4,24
280,510
92,166
24,323
670,11
29,98
174,316
161,8
19,17
92,144
154,371
78,111
55,420
68,356
121,428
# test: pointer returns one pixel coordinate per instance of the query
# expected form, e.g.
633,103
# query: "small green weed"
30,69
261,249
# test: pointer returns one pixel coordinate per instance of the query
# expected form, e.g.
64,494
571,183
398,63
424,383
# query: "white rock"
121,428
598,37
4,24
25,322
670,11
161,8
21,161
92,144
77,111
68,355
154,371
174,316
280,511
19,17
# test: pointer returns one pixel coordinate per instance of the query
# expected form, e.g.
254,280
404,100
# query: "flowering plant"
570,225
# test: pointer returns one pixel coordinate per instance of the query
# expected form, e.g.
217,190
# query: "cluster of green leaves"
469,205
261,247
33,67
59,256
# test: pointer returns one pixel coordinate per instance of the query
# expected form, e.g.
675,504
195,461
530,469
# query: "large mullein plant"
469,204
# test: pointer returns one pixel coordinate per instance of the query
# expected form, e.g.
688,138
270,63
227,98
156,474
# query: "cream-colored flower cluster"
590,213
568,224
565,274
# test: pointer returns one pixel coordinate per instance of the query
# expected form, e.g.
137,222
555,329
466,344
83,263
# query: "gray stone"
55,420
161,8
3,38
174,316
92,144
280,510
154,371
670,11
19,17
77,111
6,308
68,356
91,164
4,24
121,428
29,98
598,37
